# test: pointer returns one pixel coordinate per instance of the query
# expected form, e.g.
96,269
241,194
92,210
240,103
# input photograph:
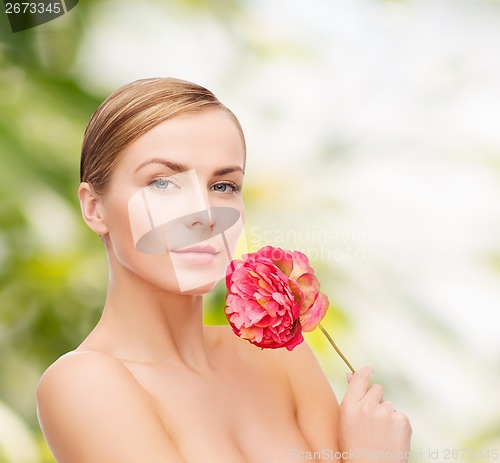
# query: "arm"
317,407
92,410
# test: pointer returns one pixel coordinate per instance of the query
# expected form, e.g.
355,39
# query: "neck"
143,323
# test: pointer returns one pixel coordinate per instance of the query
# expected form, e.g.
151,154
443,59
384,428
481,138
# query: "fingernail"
349,377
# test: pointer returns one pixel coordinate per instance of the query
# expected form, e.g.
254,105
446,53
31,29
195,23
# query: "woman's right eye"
163,184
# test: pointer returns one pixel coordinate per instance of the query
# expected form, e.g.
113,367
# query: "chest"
242,413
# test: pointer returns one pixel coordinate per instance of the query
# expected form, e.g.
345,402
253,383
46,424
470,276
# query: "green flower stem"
342,356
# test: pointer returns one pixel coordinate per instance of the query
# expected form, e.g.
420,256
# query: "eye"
226,187
163,184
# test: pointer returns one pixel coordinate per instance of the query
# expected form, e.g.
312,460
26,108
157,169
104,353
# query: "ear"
92,210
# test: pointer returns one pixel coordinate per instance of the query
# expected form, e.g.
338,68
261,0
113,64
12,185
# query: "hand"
370,429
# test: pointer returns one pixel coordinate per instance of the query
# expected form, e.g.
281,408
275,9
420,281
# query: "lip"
199,255
198,249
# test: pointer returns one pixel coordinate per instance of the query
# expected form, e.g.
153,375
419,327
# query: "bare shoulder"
82,363
305,373
80,373
91,408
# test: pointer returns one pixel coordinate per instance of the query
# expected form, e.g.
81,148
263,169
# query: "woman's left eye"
226,187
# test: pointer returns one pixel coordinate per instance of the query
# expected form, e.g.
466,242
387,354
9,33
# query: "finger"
375,394
388,407
403,422
359,384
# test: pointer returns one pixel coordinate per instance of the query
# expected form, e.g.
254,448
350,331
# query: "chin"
200,290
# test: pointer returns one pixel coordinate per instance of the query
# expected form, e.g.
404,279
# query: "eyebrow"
171,165
227,170
182,168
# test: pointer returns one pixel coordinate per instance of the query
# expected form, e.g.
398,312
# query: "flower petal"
298,294
301,265
253,334
311,318
279,257
309,285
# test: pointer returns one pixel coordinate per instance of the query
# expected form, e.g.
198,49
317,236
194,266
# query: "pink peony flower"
273,296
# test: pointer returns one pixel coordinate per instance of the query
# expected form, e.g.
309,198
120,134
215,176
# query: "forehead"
200,139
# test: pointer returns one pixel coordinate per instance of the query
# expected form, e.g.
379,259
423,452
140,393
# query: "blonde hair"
130,112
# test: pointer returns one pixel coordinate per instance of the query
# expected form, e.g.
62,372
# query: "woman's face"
174,209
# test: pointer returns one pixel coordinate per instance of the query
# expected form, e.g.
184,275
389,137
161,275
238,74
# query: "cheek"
137,217
154,269
126,226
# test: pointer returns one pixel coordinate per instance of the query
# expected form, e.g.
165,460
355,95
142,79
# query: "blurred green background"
374,146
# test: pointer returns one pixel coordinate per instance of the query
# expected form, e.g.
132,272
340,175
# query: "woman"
161,175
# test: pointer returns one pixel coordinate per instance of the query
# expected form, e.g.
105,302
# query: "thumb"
359,384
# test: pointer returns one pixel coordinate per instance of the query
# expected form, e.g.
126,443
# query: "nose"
204,219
